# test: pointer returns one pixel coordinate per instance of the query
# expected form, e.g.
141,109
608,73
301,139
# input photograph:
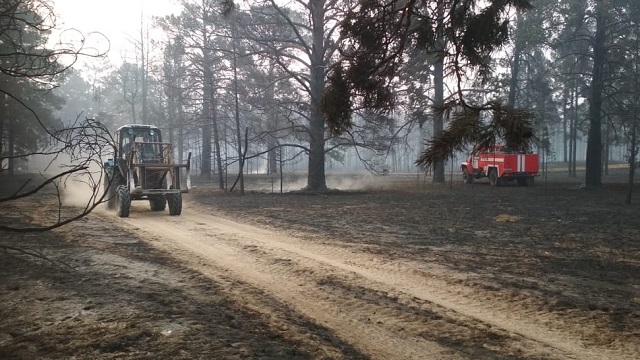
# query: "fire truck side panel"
509,166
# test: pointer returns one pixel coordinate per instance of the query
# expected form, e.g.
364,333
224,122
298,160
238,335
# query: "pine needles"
511,126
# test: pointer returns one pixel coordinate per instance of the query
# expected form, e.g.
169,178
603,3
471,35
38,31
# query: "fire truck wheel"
494,180
530,181
466,177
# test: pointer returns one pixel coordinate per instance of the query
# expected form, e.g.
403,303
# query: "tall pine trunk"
180,129
144,58
438,96
11,148
207,89
515,65
272,125
633,146
206,125
574,132
633,152
2,143
216,142
237,116
593,176
316,180
565,123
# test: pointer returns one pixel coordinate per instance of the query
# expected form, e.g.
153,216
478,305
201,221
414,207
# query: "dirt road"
385,306
400,272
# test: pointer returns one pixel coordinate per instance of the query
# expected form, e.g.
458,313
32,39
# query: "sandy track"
385,308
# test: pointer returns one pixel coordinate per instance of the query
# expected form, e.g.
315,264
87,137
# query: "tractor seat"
149,154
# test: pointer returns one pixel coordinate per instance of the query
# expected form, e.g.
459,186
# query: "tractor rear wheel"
112,180
157,203
124,201
175,204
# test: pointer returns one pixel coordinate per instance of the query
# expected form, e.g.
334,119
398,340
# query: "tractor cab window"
149,148
126,147
147,144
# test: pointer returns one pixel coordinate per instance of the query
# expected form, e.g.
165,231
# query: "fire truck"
500,165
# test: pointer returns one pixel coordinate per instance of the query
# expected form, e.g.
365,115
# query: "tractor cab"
142,141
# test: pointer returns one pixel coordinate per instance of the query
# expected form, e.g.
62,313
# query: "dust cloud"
82,188
293,182
352,182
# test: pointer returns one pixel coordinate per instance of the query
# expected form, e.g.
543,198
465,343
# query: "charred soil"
394,270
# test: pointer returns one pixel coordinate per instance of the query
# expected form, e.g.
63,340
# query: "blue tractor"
142,168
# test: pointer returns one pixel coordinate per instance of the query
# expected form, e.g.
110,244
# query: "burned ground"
558,255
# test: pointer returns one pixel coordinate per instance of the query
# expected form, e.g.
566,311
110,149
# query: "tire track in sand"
385,309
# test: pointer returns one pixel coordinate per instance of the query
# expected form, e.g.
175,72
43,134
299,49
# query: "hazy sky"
119,20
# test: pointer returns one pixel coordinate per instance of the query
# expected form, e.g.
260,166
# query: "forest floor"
389,267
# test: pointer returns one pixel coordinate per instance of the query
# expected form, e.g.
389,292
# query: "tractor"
143,168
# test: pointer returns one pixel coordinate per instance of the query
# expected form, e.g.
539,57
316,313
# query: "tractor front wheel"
157,203
124,201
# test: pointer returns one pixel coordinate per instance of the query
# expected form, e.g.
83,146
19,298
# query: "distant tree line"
328,76
324,79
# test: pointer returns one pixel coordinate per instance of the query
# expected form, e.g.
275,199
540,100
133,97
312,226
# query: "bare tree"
302,42
26,59
24,25
74,154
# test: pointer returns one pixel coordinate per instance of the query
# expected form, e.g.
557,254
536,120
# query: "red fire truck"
500,165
